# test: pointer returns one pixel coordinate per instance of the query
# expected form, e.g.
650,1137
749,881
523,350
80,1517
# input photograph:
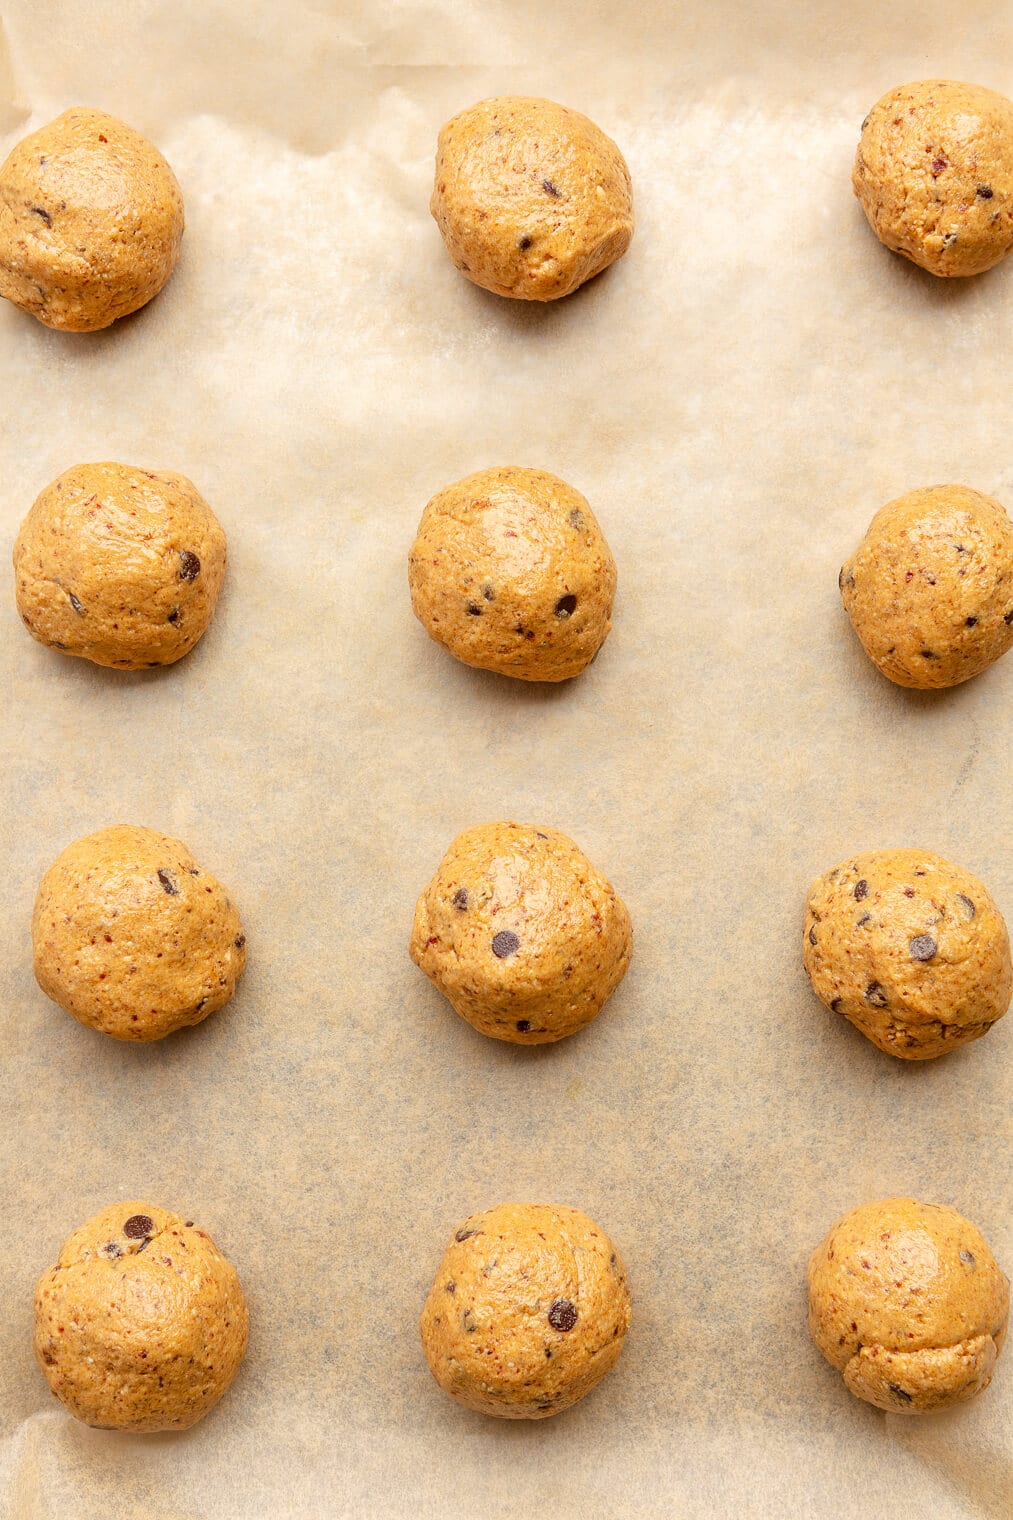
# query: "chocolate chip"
984,192
812,936
968,904
467,1234
112,1250
139,1227
524,243
928,654
549,187
865,123
836,1005
923,947
548,1354
566,606
866,918
577,519
505,943
875,995
562,1314
189,565
75,604
970,622
174,615
488,593
188,1224
239,941
900,1393
949,239
460,898
523,1025
938,165
168,884
967,1257
450,1287
861,890
40,211
1009,616
474,610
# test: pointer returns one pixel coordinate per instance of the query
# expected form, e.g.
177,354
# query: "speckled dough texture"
142,1323
532,198
91,219
510,572
521,932
908,1302
119,565
934,174
527,1312
910,949
132,937
929,590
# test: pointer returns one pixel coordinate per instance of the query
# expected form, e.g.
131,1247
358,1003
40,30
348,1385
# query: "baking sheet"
735,398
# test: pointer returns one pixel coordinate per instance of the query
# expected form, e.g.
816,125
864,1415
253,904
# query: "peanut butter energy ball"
907,1302
91,219
142,1324
132,937
528,1311
510,572
934,174
910,949
119,565
532,198
521,933
929,590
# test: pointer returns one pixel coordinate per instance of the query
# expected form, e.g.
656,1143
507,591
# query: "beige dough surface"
527,1312
910,948
908,1302
510,572
132,937
929,590
521,932
91,219
934,174
119,565
142,1323
532,198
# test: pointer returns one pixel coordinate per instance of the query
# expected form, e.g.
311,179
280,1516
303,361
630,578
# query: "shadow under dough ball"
132,937
907,1302
934,175
510,572
120,566
929,590
142,1323
532,198
910,949
528,1311
91,219
520,932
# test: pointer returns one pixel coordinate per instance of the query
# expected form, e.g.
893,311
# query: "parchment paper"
735,398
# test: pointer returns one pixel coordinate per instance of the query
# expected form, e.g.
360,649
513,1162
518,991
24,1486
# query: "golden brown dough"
910,948
132,937
528,1311
142,1323
91,219
908,1302
511,572
532,198
521,933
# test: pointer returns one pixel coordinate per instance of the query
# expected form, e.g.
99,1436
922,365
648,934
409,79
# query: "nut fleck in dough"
121,566
532,198
934,174
527,1312
911,949
132,937
521,933
91,218
907,1301
511,572
929,590
142,1324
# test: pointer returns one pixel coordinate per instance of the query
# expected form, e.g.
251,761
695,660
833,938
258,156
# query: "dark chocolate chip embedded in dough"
189,565
467,1234
966,904
836,1005
876,995
239,941
139,1227
75,603
488,593
460,898
174,615
923,947
577,519
984,192
967,1257
812,936
524,244
44,214
1009,616
861,890
900,1393
562,1314
566,606
505,943
473,609
523,1025
168,884
549,187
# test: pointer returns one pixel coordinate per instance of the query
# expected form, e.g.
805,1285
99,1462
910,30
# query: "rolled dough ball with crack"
934,175
510,572
929,590
142,1323
132,937
908,1302
120,566
532,198
910,949
528,1311
91,219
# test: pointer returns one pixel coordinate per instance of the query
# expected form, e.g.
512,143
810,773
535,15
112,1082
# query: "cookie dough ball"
934,174
511,572
142,1324
910,949
118,565
527,1312
929,590
532,198
907,1301
133,937
521,933
91,219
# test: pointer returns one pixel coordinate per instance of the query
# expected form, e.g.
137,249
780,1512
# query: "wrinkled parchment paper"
735,398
